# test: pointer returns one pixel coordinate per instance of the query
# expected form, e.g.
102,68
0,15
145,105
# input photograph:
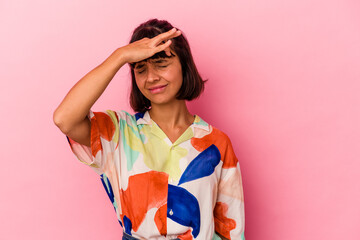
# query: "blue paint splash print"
183,208
203,165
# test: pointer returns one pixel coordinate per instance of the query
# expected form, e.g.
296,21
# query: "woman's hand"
146,47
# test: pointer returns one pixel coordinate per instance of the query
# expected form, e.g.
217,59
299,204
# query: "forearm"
82,96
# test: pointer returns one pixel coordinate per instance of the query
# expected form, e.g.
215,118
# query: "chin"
159,101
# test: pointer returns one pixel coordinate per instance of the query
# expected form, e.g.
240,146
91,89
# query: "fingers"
166,36
165,47
168,51
163,40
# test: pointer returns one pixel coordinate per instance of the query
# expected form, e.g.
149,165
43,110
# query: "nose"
152,74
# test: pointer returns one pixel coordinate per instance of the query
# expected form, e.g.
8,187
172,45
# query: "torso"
165,185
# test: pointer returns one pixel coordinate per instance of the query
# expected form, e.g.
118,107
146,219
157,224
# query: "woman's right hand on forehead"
147,47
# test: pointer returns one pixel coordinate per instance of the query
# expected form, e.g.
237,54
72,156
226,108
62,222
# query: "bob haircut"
193,84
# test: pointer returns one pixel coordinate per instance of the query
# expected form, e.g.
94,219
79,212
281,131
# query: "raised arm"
71,115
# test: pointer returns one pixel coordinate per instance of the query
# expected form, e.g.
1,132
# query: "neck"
170,116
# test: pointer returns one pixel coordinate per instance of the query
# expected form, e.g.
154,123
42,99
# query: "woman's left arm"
229,213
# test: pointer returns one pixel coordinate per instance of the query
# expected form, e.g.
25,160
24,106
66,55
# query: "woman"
168,173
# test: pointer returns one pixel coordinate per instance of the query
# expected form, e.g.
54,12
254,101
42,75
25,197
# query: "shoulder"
226,149
212,135
218,136
208,133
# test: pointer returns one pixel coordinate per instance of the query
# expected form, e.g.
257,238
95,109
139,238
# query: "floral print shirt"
189,189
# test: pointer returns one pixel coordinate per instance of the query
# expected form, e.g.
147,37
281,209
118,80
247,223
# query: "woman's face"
159,80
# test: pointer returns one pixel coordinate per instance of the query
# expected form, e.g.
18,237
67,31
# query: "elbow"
58,120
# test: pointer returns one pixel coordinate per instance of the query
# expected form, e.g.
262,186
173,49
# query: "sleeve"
104,140
229,212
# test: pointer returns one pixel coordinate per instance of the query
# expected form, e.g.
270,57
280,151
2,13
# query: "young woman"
168,173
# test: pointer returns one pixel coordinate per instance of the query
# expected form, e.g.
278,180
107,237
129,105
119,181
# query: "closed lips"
157,87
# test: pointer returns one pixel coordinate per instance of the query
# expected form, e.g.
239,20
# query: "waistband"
129,237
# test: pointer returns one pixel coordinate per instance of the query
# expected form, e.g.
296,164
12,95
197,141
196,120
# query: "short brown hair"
193,84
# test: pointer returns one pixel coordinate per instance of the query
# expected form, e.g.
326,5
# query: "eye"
163,66
139,68
141,71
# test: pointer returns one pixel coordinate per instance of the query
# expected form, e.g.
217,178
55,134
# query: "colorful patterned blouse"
189,189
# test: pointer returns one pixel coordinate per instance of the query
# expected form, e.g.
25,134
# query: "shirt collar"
144,118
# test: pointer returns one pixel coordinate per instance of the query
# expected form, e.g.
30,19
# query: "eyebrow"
141,64
160,60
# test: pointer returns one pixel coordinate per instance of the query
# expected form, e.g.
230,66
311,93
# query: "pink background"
283,84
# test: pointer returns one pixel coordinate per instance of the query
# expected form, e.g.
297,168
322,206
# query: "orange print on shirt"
223,224
145,191
185,236
104,128
160,219
222,142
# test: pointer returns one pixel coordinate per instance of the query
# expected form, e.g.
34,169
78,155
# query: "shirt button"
171,212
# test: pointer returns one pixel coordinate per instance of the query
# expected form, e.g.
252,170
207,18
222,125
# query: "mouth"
157,89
